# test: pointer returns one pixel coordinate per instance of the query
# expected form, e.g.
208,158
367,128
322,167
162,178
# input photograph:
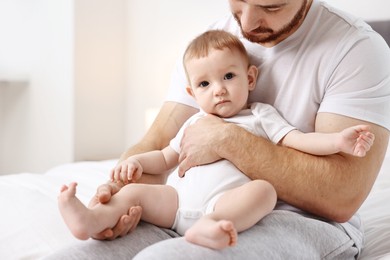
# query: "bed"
31,226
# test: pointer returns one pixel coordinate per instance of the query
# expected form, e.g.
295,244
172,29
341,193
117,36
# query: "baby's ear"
252,77
189,91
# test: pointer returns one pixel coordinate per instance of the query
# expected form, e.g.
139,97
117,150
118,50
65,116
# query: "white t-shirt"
333,63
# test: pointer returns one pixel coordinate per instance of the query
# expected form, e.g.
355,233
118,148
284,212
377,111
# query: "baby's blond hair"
213,39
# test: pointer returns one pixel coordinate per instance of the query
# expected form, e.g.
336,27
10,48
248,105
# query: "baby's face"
219,82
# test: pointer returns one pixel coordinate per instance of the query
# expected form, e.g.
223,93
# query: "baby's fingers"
360,151
113,173
132,173
117,172
367,138
364,143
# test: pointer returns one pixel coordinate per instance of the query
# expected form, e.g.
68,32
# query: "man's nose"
250,18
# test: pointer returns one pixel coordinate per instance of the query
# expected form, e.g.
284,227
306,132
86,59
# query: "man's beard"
273,36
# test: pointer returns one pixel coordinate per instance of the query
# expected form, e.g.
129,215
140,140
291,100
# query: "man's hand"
199,140
126,224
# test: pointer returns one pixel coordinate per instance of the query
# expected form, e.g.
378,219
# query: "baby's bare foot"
213,234
68,192
73,211
229,228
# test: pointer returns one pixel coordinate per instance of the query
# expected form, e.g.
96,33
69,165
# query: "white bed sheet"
31,226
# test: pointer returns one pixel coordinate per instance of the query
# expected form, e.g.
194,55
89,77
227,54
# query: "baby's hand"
357,140
127,171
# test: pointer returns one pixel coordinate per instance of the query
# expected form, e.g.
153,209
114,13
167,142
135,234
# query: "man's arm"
331,186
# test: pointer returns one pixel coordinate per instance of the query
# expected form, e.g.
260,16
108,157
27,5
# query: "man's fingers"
122,229
135,217
183,167
104,193
104,235
127,223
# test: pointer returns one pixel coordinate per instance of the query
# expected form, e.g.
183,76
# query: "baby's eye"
204,84
229,76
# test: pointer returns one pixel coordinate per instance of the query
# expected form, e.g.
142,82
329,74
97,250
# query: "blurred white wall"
36,105
100,79
62,81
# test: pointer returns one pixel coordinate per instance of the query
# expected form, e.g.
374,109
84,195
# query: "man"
323,70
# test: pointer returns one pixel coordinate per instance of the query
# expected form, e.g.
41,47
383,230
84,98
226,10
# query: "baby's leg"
235,211
159,204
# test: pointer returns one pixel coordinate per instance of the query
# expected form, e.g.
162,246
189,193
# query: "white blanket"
31,226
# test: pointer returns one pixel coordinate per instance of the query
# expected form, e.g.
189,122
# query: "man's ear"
189,91
252,77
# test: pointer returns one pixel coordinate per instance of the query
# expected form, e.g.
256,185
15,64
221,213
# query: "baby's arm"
355,140
153,162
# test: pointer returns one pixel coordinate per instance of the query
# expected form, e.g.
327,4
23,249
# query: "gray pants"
280,235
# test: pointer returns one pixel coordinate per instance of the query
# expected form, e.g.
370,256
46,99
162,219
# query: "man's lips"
261,30
258,31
